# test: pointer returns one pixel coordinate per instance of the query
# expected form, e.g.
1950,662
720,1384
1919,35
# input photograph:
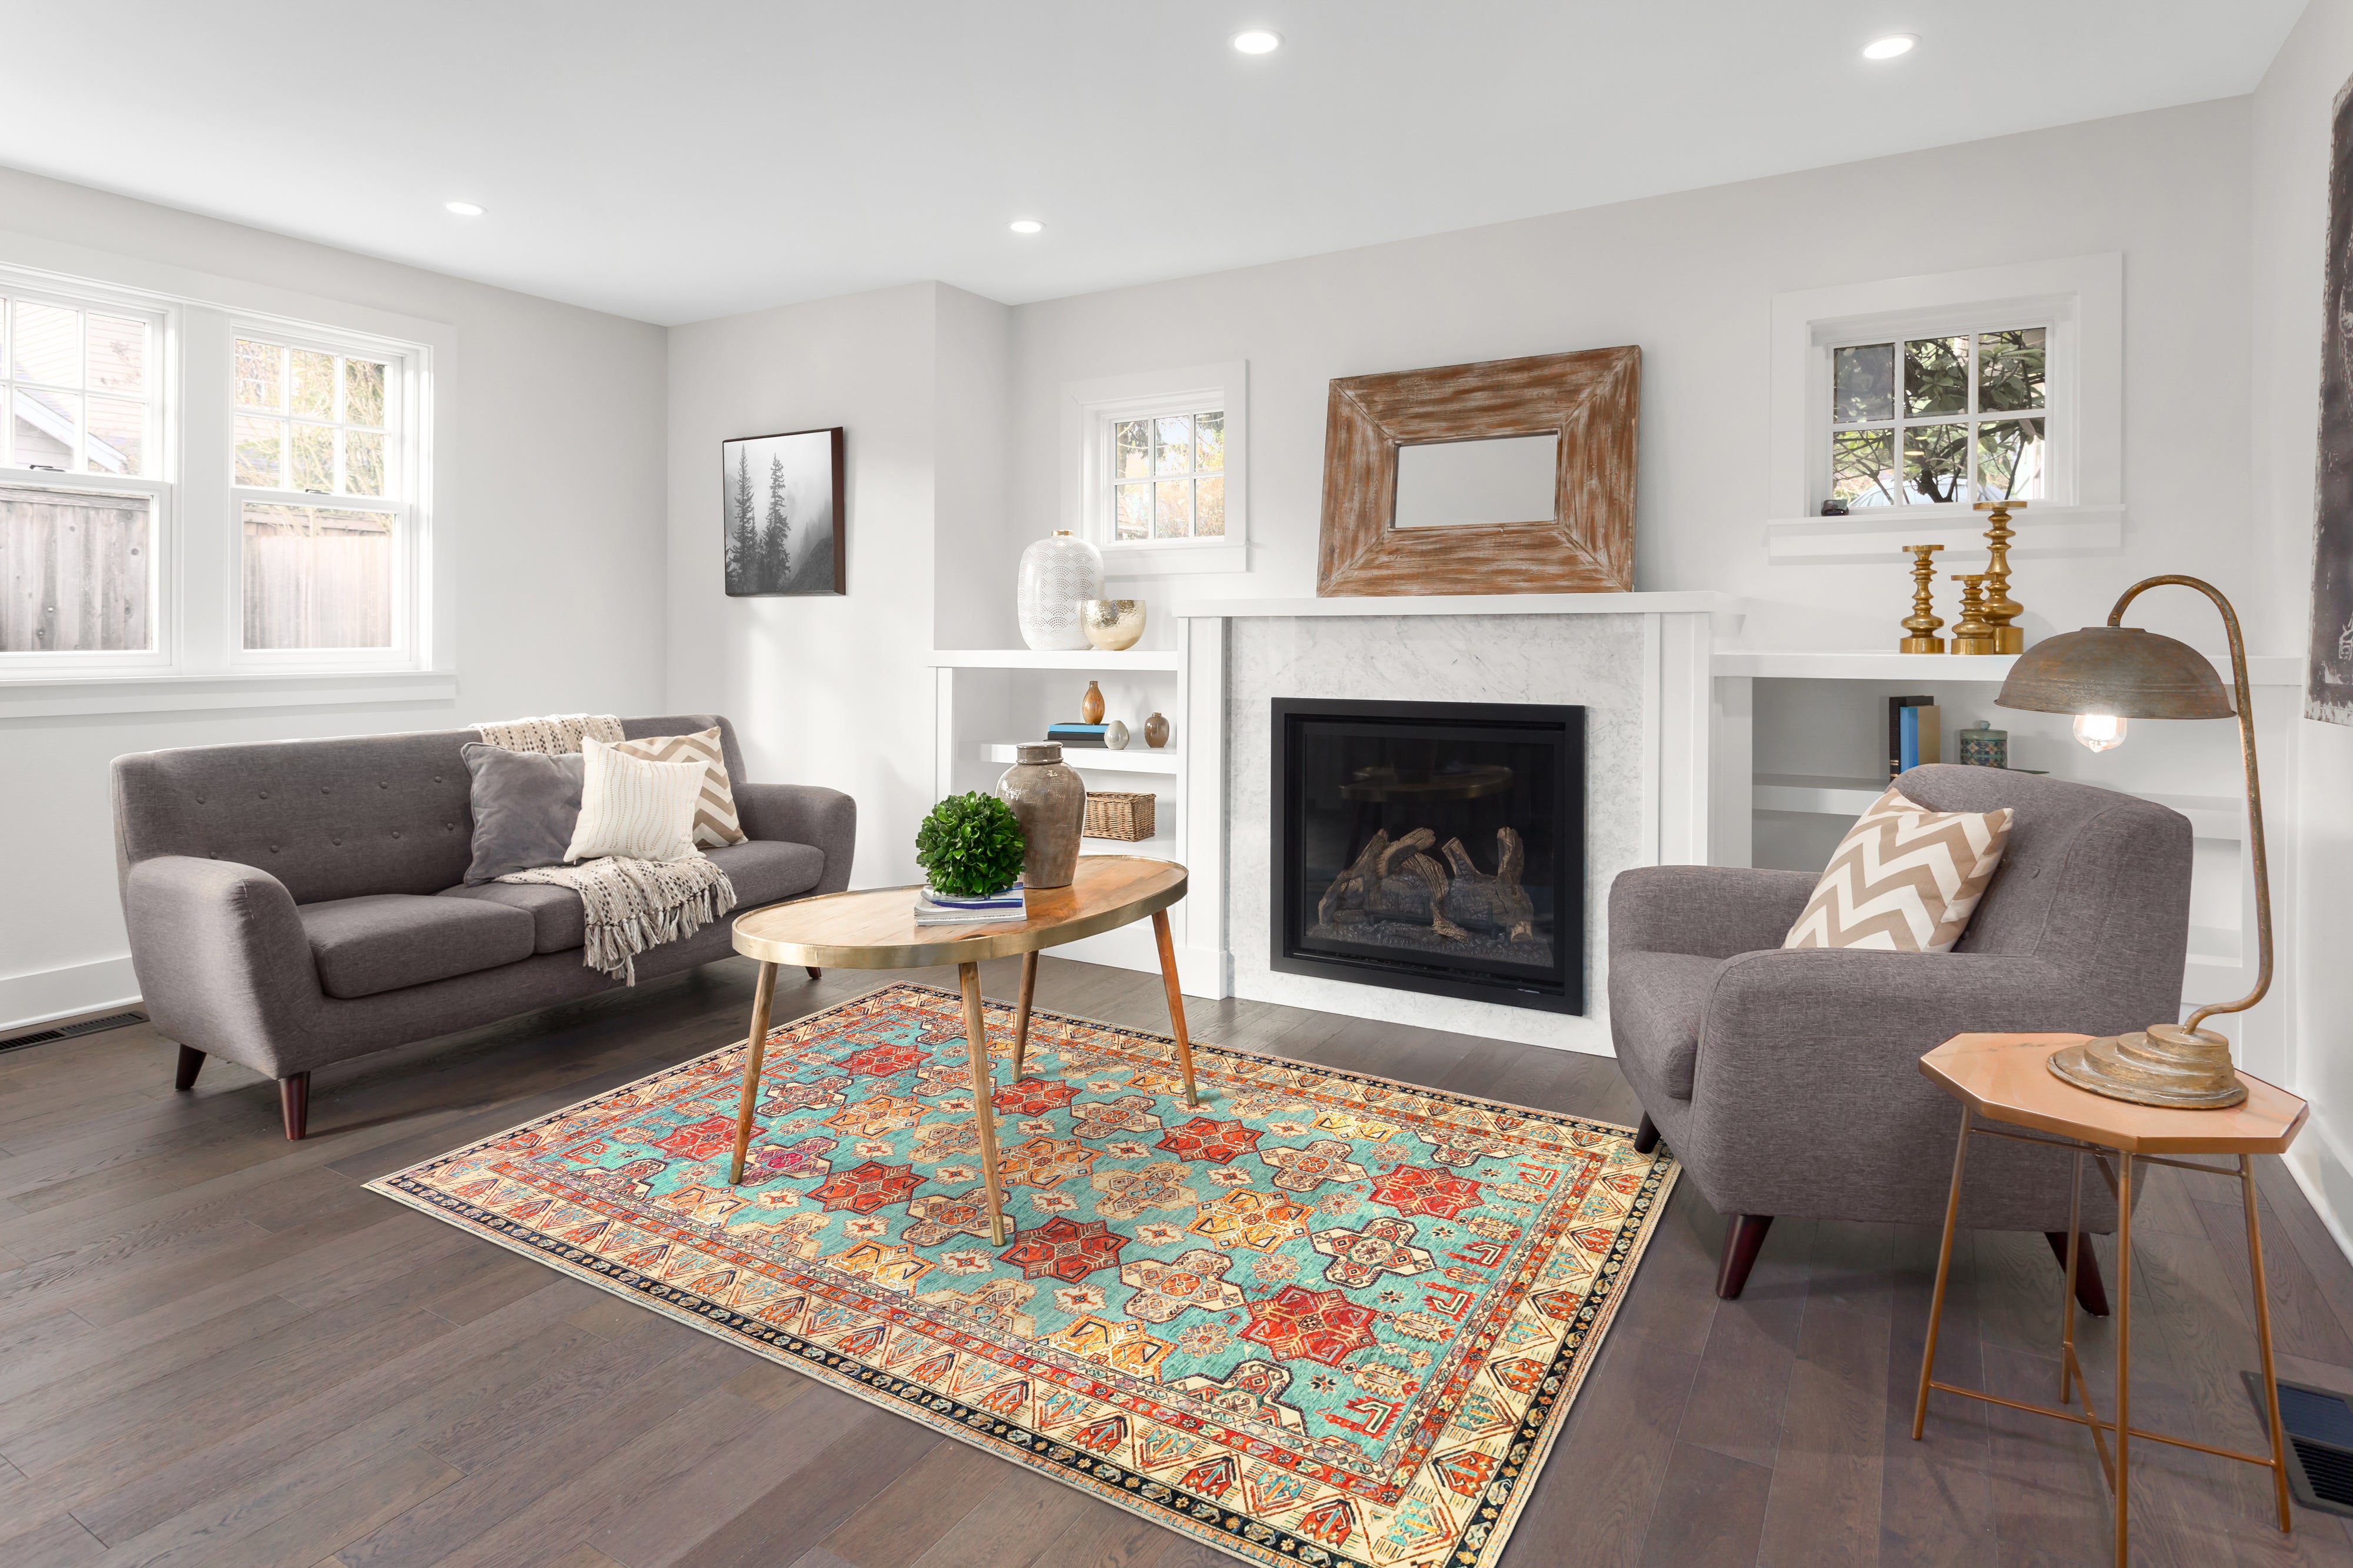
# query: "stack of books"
1915,733
1003,907
1079,734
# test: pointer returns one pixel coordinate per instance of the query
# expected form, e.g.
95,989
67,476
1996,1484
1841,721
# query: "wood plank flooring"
216,1348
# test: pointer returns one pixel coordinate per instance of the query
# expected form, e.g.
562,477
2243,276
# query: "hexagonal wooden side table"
2002,1077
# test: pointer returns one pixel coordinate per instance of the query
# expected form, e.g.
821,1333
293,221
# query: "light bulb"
2100,732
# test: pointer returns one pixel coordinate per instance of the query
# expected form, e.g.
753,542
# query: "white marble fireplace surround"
1638,663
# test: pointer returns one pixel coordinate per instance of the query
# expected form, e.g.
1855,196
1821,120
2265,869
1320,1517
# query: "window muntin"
77,387
1168,476
311,420
1940,419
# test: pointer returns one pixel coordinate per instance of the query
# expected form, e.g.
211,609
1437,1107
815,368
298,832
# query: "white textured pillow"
642,810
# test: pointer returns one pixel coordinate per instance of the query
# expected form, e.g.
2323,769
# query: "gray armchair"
1787,1082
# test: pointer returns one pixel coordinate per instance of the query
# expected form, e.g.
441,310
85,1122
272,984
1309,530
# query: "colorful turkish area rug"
1325,1318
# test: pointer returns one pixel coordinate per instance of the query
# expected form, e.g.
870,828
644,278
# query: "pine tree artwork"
795,541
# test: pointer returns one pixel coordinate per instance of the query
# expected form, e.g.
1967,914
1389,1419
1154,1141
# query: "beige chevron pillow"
715,822
1904,879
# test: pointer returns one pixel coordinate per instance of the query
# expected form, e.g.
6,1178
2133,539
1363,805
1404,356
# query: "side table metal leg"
2075,1243
984,1094
2124,1357
755,1052
2263,1336
1175,1001
1021,1012
1944,1272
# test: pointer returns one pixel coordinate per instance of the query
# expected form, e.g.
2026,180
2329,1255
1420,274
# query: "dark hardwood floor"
216,1348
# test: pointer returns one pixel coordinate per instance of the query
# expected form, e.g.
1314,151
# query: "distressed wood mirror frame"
1590,398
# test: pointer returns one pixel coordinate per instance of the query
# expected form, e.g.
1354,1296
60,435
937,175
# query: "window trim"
2079,298
1090,409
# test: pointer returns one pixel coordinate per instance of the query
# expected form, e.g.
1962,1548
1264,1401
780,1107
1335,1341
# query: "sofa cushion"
760,871
1658,1001
558,922
382,941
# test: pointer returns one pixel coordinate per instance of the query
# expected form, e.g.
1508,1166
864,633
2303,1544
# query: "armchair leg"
294,1104
815,974
2090,1293
191,1062
1742,1240
1646,1136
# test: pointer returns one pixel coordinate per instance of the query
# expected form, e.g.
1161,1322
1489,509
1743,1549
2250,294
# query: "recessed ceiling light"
1887,48
464,209
1258,41
1026,226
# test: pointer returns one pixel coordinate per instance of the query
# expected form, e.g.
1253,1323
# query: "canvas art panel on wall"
782,528
2328,686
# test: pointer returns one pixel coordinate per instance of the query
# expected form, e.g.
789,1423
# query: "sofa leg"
1646,1136
191,1062
294,1104
2090,1293
1742,1240
816,973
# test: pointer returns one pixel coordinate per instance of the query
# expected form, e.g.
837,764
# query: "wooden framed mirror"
1509,477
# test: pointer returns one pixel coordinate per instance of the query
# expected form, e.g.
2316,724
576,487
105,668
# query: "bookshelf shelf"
1136,759
2211,817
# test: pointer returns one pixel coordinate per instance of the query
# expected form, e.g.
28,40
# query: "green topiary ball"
970,846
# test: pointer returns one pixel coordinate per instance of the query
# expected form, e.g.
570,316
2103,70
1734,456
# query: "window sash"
1970,416
1105,505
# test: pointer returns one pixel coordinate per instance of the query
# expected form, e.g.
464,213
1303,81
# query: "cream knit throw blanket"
631,905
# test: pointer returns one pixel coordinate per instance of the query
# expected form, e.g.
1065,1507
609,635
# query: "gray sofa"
297,903
1788,1082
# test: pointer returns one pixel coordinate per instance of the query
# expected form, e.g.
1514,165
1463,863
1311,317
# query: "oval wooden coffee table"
876,928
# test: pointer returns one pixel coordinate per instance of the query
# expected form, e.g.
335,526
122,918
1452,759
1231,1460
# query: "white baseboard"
1200,971
2317,1162
46,993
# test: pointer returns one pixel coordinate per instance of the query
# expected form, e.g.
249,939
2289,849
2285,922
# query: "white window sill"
33,696
1174,558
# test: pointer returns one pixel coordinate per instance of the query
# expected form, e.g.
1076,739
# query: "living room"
1071,785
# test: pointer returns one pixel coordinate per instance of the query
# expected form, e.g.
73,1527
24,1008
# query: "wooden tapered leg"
2124,1358
294,1105
1742,1240
2263,1336
1646,1136
1175,1001
984,1094
1021,1013
1944,1272
756,1053
2085,1284
815,974
191,1062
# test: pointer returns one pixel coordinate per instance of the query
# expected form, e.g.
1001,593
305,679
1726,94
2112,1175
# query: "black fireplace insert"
1432,847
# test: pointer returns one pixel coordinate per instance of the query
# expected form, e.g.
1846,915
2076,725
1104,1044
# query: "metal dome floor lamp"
2106,676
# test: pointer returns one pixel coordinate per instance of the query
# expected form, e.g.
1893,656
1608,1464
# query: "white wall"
2289,217
1690,277
548,496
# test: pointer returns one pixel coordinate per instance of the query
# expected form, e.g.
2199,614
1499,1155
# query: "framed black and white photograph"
2328,686
783,530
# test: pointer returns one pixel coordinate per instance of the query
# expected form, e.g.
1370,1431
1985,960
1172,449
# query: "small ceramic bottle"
1090,706
1116,736
1156,731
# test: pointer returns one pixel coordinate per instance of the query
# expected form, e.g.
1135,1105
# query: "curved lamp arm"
2255,786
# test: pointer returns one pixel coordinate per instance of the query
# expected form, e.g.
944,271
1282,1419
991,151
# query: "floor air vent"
68,1031
2319,1443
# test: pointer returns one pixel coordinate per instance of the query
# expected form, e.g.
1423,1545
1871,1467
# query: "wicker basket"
1114,814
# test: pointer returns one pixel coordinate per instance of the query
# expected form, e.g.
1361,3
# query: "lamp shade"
2124,670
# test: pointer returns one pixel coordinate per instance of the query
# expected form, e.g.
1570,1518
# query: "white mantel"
1470,605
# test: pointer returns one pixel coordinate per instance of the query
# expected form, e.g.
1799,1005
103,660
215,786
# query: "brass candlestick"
1972,633
2001,609
1922,622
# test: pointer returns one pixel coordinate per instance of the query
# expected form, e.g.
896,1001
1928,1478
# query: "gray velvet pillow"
525,805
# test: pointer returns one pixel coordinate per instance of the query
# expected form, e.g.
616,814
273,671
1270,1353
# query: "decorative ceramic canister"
1116,736
1058,574
1156,731
1049,800
1983,746
1111,625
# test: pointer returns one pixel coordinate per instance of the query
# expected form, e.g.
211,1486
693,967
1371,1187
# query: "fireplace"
1432,847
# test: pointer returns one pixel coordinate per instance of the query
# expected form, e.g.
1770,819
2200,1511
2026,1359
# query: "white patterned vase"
1058,574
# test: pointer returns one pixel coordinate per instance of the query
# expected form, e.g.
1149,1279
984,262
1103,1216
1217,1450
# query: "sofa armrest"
1711,912
223,962
824,819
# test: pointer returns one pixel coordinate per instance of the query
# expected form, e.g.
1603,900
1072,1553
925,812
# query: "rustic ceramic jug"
1049,800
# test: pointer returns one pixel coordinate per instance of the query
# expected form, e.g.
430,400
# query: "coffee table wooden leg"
984,1094
1021,1013
2264,1335
1944,1272
1175,1001
763,994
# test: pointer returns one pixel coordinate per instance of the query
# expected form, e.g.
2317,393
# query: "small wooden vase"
1156,731
1090,706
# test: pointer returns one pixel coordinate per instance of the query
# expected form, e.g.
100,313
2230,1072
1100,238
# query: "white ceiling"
675,162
